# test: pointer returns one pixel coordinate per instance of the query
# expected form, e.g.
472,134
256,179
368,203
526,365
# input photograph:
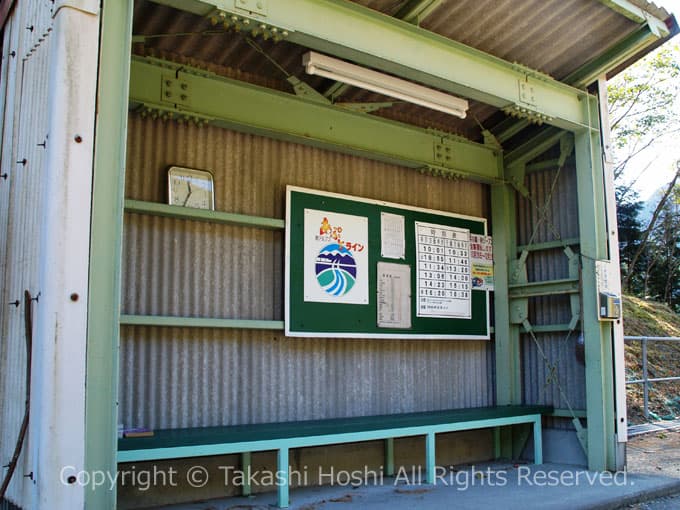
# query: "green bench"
244,439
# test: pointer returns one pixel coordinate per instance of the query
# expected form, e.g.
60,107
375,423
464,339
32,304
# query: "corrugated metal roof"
555,37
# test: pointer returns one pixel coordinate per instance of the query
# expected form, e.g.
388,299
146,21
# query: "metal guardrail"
645,381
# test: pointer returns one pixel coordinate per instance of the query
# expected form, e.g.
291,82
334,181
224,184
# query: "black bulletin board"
331,319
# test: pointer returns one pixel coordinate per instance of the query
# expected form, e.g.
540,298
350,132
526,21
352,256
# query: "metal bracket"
527,93
518,269
175,91
519,307
515,175
566,148
305,91
581,434
527,100
574,299
364,107
444,149
259,7
490,140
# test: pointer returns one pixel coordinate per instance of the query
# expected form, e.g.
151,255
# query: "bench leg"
283,477
389,456
538,441
429,457
246,489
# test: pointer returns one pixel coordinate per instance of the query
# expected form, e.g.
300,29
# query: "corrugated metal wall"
194,377
25,84
562,219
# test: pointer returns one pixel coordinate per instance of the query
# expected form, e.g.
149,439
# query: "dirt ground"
655,453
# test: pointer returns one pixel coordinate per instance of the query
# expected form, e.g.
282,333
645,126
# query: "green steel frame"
267,112
347,30
601,435
507,333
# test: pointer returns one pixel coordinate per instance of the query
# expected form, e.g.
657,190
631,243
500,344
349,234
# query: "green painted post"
246,466
283,478
506,337
538,441
101,411
430,457
598,350
389,456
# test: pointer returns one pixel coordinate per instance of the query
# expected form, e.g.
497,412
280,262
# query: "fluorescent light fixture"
374,81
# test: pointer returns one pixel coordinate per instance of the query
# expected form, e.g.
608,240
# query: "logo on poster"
336,270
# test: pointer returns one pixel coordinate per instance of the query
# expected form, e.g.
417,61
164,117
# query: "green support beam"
178,91
367,37
544,288
101,408
508,128
533,147
601,434
548,245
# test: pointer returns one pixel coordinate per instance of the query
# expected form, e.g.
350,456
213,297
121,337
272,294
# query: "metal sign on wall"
357,267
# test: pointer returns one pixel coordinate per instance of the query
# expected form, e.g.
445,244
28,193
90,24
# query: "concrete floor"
490,486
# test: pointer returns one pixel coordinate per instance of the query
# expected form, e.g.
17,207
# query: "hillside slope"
648,318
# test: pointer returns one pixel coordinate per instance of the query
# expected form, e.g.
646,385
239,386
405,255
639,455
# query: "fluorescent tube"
339,70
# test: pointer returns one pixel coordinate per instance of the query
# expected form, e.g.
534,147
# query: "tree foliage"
644,109
643,106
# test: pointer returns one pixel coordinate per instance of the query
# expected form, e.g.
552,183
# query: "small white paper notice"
394,295
392,237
